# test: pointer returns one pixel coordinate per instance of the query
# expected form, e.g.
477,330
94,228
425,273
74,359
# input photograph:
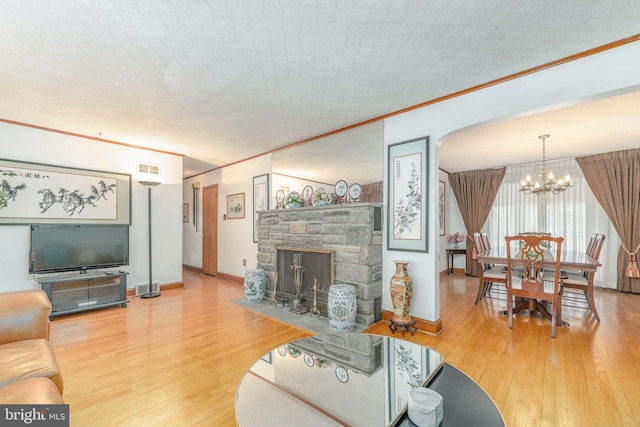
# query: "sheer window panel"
574,214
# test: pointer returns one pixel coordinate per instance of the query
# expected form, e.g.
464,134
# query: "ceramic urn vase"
401,293
254,285
342,307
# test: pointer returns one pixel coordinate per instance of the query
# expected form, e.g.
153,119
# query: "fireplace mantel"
352,232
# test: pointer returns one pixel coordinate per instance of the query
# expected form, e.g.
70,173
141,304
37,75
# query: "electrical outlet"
244,262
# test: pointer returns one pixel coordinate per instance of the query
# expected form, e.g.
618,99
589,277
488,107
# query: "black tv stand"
84,292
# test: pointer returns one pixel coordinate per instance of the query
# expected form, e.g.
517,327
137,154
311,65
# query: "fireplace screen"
298,269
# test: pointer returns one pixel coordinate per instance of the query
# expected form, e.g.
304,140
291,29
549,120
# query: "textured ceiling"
220,81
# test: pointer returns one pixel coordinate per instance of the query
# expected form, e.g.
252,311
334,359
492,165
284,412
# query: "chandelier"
547,183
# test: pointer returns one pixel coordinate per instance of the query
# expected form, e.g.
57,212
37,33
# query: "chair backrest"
534,233
597,247
477,239
485,241
530,251
592,243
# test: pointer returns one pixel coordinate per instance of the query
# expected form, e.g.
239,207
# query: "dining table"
569,260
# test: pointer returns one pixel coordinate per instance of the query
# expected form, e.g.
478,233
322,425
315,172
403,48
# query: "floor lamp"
151,293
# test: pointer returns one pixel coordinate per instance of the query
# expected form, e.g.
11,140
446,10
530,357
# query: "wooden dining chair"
478,242
583,280
531,283
488,274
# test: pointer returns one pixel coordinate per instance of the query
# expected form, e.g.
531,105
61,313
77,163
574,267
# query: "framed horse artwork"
32,193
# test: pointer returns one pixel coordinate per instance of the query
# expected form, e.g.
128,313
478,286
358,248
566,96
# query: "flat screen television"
77,247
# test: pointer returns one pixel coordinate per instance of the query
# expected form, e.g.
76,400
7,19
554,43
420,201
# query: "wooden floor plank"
178,359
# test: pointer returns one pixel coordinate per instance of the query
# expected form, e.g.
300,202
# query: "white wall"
612,71
22,143
235,236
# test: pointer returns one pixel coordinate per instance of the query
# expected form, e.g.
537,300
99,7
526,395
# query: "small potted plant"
293,200
322,198
456,238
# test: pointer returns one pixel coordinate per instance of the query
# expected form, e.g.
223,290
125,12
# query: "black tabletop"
465,403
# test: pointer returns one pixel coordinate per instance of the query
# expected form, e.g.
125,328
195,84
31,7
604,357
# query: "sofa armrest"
24,315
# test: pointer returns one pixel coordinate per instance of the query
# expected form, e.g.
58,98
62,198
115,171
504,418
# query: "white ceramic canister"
254,284
342,307
425,407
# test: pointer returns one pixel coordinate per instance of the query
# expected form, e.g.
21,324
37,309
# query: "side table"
450,254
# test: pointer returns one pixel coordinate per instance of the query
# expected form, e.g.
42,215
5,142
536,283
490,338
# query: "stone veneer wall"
352,231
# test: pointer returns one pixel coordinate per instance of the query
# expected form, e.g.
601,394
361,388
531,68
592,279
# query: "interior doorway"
210,230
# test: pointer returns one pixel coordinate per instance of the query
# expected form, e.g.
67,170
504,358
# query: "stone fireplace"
336,244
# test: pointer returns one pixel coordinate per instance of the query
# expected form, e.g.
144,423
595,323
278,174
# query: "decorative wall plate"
342,374
341,188
354,191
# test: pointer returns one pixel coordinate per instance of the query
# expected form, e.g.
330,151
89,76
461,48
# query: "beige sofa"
29,372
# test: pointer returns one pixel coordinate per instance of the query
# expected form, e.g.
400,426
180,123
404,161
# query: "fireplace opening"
298,270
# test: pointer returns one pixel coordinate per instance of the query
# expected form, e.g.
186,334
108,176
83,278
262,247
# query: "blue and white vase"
254,285
342,307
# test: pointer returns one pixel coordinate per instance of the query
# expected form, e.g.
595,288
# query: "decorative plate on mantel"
309,360
342,374
341,188
307,192
280,199
354,191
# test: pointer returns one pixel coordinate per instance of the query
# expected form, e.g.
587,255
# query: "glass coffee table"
356,380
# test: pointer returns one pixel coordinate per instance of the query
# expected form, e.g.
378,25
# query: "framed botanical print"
407,201
261,197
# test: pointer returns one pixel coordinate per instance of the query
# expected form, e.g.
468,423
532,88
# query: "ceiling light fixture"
547,185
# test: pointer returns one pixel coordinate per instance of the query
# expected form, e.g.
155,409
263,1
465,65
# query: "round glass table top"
353,379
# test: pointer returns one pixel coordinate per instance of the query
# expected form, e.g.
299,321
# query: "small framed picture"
185,212
235,206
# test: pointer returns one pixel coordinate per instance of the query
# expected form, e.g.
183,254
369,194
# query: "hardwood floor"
178,359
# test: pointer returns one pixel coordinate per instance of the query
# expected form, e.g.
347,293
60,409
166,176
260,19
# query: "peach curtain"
475,192
614,179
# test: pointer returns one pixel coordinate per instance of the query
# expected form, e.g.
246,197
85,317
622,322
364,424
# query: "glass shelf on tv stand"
82,292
